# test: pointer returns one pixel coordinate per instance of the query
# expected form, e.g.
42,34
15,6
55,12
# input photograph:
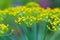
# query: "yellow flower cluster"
54,20
3,28
32,12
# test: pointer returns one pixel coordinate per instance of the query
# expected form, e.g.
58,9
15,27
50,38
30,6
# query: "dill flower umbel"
29,14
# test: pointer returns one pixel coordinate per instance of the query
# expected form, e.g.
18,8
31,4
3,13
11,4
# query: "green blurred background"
9,3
